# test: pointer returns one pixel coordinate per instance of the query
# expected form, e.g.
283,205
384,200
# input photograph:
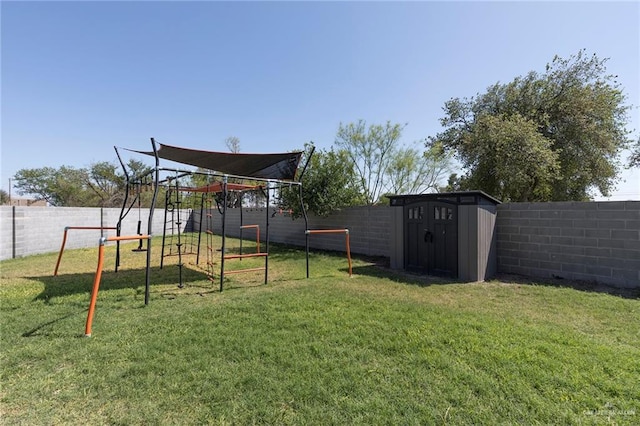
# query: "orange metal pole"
348,252
91,227
129,237
335,231
243,256
237,271
64,241
327,231
94,291
257,234
98,276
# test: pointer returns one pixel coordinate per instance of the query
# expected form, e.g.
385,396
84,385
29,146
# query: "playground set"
228,176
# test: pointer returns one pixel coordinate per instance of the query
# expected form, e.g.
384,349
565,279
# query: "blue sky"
81,77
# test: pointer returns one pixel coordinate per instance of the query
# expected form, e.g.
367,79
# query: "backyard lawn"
377,348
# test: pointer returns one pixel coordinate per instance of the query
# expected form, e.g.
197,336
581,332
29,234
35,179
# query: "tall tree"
4,197
412,172
233,143
544,137
371,151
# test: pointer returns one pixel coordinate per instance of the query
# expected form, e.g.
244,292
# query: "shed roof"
459,197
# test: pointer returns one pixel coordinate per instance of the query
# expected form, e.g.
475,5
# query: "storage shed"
450,234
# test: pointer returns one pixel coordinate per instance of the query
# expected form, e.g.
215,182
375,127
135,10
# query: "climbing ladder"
174,240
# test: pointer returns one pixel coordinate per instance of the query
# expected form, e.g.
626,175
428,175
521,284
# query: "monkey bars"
64,239
330,231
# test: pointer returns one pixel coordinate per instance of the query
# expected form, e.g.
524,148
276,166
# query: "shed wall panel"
487,258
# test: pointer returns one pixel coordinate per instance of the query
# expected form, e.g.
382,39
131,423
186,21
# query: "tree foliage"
4,197
328,185
543,137
65,186
233,144
100,185
103,179
634,160
371,151
412,172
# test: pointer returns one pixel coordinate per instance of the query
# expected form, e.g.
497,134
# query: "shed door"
415,227
432,238
442,248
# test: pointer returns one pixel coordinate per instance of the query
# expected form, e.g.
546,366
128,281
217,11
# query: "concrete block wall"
593,241
7,224
33,230
369,228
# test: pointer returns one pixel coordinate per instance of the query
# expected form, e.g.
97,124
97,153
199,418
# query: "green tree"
453,184
65,186
328,185
4,197
634,160
371,152
412,172
106,183
560,133
100,185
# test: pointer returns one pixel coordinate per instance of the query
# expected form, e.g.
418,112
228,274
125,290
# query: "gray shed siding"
396,239
477,260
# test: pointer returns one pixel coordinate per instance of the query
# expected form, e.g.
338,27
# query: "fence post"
13,232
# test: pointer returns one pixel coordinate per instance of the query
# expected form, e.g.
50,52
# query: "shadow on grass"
586,286
382,270
81,283
39,329
375,266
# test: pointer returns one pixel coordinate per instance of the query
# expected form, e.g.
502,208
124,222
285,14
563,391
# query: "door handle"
428,236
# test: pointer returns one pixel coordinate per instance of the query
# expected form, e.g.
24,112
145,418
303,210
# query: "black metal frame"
136,180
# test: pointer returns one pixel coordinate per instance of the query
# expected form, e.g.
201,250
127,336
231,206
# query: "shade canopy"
218,188
279,166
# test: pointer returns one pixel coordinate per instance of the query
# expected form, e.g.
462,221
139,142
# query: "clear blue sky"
81,77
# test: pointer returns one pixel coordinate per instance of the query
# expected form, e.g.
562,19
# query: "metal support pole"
179,225
13,232
241,222
98,276
147,284
164,228
266,258
224,235
200,226
95,288
306,227
124,206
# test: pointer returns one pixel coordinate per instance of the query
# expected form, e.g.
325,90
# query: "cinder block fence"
593,241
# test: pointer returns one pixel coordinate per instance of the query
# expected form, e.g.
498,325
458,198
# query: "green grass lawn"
378,348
